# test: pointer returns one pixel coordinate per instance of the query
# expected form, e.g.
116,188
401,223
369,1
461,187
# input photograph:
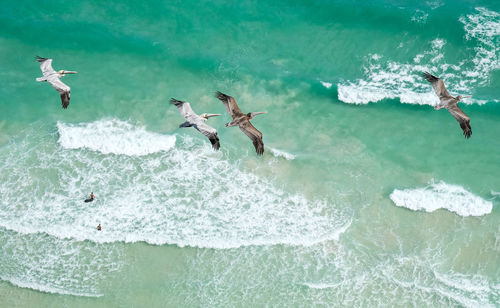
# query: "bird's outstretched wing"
63,89
45,65
210,133
184,108
462,118
438,85
192,119
254,135
230,104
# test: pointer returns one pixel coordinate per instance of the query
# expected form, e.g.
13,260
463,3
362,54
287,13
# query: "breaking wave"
113,136
389,79
279,153
187,196
442,196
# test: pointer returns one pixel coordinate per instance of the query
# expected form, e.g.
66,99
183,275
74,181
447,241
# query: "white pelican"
198,122
50,75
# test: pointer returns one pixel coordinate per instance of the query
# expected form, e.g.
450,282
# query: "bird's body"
450,103
243,121
198,122
54,78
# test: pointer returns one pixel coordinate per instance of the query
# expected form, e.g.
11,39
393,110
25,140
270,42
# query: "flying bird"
243,121
198,122
54,78
450,103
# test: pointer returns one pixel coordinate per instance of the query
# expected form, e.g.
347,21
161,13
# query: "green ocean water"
365,196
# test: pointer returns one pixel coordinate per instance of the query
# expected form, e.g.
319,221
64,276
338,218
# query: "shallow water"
364,196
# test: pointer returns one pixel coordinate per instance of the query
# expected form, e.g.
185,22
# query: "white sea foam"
485,28
44,288
468,290
389,79
325,84
48,264
279,153
422,280
453,198
320,285
419,16
188,196
113,136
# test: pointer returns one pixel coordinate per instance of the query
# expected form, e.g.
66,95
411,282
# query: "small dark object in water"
99,227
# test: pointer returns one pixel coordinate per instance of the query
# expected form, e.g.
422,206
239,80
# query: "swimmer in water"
99,227
91,198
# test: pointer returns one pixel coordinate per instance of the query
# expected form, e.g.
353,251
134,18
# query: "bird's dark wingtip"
429,77
175,101
40,59
215,142
221,95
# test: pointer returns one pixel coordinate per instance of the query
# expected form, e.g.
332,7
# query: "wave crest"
390,80
187,196
113,136
280,153
442,196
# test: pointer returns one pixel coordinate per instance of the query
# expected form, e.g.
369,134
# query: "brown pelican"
50,75
243,121
450,103
198,122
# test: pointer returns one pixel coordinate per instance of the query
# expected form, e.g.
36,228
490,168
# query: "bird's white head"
63,72
459,97
252,115
208,115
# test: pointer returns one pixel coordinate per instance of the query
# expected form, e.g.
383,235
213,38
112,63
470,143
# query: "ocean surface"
365,195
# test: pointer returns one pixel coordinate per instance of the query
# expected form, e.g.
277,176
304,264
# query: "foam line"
48,264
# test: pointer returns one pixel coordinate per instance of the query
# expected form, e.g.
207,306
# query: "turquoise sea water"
365,196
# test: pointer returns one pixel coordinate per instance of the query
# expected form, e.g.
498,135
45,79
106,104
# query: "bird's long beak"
212,115
467,96
70,72
261,112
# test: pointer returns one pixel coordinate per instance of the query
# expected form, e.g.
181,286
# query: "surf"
185,195
440,195
387,79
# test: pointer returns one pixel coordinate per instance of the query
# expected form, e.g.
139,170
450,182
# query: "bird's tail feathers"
214,140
